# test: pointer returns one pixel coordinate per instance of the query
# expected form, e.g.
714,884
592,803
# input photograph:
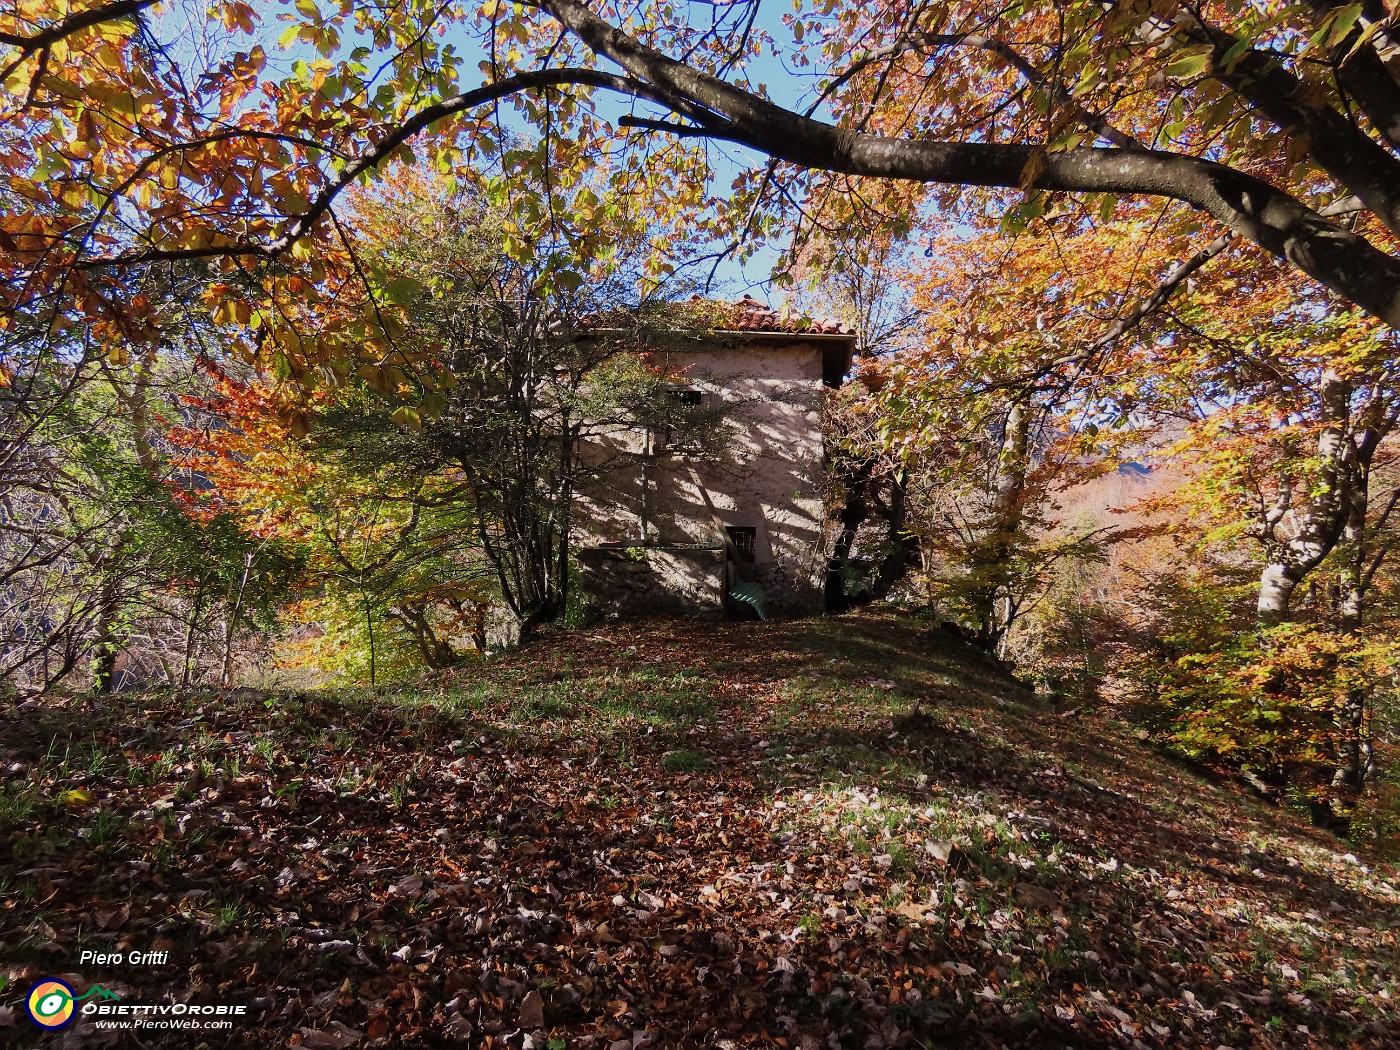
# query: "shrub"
1283,704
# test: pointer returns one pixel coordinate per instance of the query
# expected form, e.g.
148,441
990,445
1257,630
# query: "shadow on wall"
768,480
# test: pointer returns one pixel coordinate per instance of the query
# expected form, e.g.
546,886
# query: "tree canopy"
138,135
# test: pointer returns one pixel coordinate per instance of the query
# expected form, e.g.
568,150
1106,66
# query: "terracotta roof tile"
750,315
743,315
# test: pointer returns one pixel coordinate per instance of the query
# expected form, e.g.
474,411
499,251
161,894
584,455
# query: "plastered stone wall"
767,478
625,582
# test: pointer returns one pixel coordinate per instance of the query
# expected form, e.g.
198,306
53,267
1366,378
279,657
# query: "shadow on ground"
837,833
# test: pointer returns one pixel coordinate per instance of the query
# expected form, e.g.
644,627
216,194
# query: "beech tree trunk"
1332,520
1354,758
437,652
1322,518
1276,585
994,610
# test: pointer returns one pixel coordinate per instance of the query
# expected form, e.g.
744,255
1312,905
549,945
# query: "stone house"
738,528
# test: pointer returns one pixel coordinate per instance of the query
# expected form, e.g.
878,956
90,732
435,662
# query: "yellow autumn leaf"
75,797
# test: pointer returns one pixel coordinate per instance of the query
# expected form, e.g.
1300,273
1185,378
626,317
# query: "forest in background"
293,315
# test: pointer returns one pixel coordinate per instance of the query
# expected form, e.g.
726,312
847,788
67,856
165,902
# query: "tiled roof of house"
741,315
750,315
733,321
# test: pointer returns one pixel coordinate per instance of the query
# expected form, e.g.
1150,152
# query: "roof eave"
837,355
790,337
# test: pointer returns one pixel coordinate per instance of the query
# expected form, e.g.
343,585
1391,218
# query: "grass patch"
685,762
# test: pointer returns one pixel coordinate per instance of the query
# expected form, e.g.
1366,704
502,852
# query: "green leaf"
404,290
408,418
1232,56
432,405
1188,64
309,9
1342,24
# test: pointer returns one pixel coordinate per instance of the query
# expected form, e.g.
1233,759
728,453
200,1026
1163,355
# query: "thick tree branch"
1339,147
670,127
1249,207
1360,69
28,45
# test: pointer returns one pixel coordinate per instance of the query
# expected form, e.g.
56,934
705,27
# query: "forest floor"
844,832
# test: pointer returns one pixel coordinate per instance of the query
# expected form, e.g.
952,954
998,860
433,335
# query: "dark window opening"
674,433
745,541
